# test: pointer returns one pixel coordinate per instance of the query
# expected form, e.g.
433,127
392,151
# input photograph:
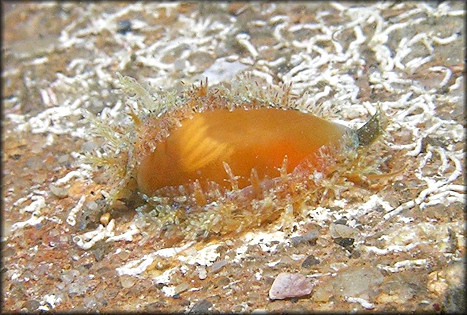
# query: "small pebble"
218,265
90,302
357,281
182,287
54,232
105,219
237,309
63,159
454,300
15,156
155,306
69,276
309,237
222,281
355,253
310,261
286,261
89,146
343,231
201,60
91,205
99,252
34,163
8,251
76,289
60,286
290,285
123,27
31,305
323,292
202,273
184,303
39,178
127,281
58,192
344,242
123,255
201,307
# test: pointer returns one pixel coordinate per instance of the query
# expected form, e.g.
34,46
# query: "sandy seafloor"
404,236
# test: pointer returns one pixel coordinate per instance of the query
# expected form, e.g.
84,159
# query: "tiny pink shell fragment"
290,285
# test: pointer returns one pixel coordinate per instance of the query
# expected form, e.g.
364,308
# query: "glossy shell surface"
213,143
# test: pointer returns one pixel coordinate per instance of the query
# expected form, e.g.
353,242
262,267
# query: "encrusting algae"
221,160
